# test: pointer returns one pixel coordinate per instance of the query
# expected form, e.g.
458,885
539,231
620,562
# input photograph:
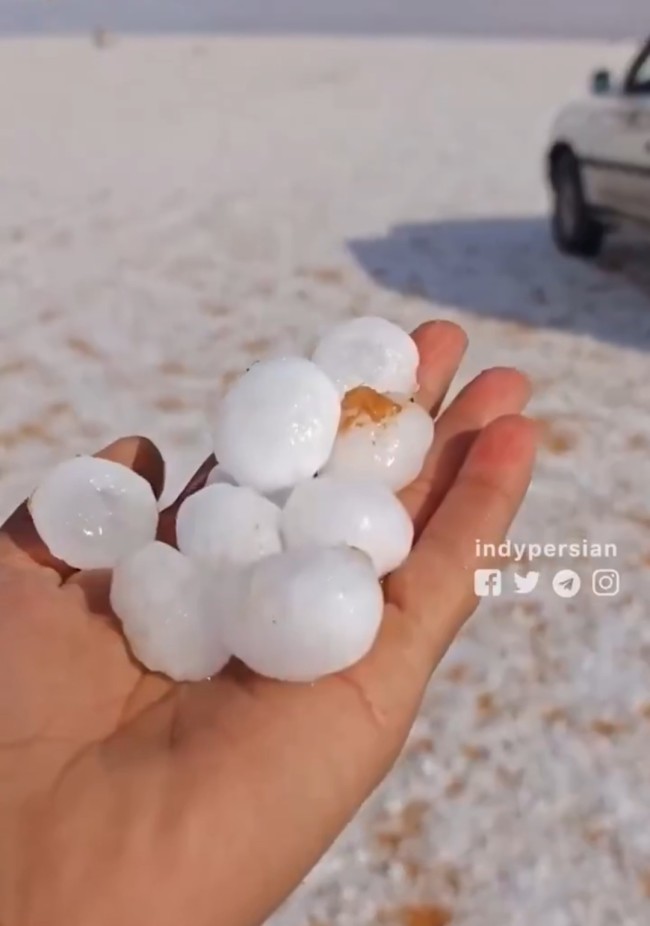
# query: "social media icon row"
605,583
488,583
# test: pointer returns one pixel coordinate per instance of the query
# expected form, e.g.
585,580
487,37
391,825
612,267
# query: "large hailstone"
90,512
381,439
277,424
371,352
172,616
307,613
364,515
225,524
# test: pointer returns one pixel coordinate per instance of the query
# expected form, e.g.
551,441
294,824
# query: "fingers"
441,345
20,544
167,523
435,588
496,392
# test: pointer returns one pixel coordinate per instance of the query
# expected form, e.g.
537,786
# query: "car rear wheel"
575,231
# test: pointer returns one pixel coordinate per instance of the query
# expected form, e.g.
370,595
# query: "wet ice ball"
307,613
369,351
172,618
277,424
90,512
224,524
365,515
381,439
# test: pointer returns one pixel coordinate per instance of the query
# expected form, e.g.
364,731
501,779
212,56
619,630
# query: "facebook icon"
487,583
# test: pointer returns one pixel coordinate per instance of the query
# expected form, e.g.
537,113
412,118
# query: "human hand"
126,798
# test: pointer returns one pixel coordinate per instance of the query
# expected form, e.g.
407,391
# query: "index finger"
435,587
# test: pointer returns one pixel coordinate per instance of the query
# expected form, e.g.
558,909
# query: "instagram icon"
606,583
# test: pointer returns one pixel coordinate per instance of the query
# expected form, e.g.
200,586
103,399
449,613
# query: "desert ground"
173,208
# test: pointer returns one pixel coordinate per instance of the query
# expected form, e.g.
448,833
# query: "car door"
616,150
635,141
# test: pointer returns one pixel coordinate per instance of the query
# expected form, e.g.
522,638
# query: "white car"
598,163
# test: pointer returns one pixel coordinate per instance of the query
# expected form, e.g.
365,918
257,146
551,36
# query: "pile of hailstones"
280,556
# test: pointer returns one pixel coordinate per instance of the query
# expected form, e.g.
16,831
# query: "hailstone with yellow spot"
382,439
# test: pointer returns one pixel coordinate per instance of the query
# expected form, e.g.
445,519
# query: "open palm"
125,798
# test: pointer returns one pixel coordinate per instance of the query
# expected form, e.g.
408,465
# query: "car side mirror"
601,83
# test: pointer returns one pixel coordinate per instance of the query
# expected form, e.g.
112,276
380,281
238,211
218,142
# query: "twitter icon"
524,585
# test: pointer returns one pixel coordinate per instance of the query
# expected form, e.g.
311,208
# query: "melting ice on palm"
277,424
173,614
225,524
307,613
365,515
90,512
310,610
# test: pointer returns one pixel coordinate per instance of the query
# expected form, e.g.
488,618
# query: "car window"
639,81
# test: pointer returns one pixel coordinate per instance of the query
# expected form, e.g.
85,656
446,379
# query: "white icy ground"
173,209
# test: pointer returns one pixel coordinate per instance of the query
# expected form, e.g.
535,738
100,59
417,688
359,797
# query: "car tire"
575,231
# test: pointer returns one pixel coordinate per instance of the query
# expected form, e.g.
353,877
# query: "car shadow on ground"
508,268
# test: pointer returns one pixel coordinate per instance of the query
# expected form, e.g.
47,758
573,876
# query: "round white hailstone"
307,613
219,476
364,515
224,524
90,512
369,351
172,618
277,424
381,439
